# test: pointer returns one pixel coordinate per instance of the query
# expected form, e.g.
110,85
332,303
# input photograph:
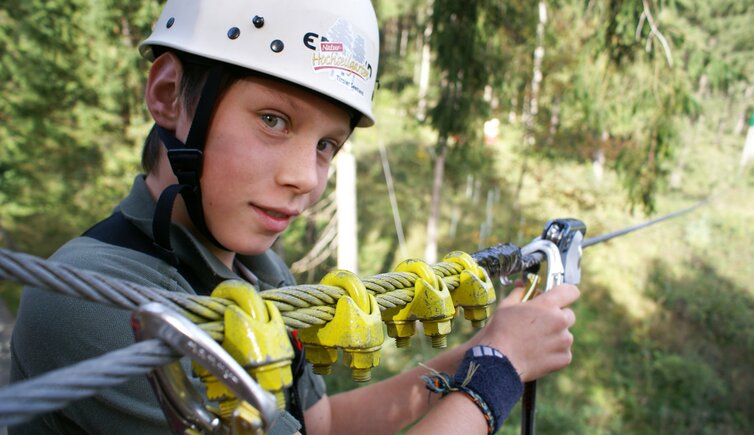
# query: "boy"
251,101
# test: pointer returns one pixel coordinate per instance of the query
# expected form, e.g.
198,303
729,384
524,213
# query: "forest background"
494,116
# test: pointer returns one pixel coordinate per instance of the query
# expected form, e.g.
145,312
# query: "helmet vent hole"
234,32
258,21
170,22
277,46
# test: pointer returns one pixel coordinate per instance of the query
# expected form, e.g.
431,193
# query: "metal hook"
184,407
555,269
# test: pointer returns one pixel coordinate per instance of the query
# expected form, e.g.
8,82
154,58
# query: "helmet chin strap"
186,162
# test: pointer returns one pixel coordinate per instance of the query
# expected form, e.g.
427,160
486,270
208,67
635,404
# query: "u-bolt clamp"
356,328
256,337
184,408
555,269
475,292
432,305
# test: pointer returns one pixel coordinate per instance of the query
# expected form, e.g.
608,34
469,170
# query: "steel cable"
96,287
51,391
301,306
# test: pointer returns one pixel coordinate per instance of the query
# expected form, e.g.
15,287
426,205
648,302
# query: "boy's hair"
195,72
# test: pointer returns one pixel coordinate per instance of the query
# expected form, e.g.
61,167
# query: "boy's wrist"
488,378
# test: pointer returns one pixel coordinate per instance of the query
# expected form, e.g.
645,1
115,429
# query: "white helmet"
328,46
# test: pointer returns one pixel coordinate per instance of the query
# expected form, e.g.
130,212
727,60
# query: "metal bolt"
322,369
234,32
361,375
402,342
258,21
478,323
439,341
170,22
277,46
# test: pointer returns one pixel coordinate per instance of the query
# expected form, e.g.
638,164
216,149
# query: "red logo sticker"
331,47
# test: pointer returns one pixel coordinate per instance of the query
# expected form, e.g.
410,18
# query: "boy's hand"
533,335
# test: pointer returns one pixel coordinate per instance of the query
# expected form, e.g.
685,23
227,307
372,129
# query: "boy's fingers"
570,316
562,295
513,298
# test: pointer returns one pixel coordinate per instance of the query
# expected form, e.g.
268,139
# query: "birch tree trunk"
748,154
530,114
345,194
430,254
424,70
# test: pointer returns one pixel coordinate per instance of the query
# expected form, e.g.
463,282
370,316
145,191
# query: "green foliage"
472,42
664,337
72,112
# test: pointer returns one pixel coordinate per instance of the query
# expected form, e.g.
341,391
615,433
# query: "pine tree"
72,113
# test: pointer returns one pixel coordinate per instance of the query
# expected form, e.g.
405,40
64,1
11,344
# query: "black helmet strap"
186,161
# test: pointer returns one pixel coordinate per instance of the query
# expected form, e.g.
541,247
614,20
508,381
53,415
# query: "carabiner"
555,269
183,406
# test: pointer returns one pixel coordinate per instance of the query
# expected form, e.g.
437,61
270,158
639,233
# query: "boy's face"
266,160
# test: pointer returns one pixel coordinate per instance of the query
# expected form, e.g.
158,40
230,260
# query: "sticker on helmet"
341,54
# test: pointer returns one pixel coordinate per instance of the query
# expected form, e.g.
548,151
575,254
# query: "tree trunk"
530,114
345,195
421,110
748,154
430,254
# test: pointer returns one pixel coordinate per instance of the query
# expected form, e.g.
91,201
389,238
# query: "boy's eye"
273,121
327,147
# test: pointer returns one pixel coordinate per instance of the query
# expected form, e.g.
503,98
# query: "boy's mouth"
276,214
275,220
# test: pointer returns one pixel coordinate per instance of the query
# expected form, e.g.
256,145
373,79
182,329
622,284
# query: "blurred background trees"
495,117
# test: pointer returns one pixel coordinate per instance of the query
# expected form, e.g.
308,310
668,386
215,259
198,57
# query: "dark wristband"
488,378
489,374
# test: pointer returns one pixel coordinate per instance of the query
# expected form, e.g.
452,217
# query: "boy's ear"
163,91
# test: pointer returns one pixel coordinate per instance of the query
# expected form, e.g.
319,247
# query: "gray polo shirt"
54,331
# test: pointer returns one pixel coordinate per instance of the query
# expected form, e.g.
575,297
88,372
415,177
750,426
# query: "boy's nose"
299,170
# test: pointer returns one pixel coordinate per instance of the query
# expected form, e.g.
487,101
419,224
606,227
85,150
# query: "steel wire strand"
290,298
306,317
23,400
447,269
390,281
395,299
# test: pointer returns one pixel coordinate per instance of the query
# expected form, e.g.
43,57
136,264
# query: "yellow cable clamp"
256,337
356,328
432,305
475,293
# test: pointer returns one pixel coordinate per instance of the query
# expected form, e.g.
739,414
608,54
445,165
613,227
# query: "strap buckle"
186,164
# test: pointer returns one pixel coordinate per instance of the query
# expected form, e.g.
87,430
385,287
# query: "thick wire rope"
301,306
67,280
21,401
